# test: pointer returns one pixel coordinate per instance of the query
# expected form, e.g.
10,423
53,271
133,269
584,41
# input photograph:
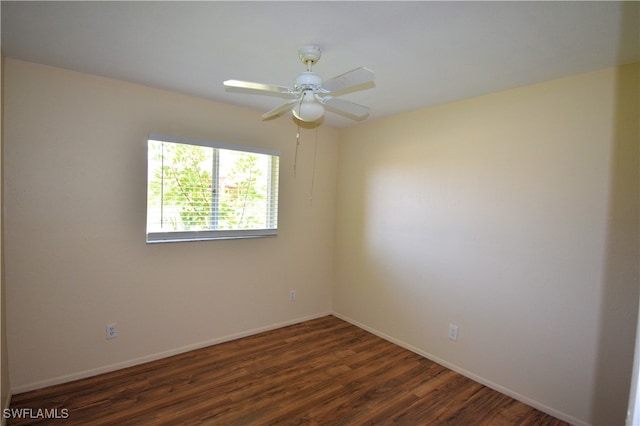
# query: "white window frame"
203,235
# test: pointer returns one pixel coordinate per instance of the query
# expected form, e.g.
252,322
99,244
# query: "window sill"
180,237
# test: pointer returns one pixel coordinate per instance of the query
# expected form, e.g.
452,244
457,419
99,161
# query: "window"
201,190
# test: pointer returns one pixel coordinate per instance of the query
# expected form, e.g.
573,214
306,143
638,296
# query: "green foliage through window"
199,191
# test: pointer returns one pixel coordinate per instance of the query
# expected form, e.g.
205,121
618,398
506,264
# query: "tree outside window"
194,188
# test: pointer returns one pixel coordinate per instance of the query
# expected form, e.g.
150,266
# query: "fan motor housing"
308,80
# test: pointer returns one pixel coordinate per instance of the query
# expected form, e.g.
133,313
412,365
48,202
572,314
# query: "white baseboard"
165,354
515,395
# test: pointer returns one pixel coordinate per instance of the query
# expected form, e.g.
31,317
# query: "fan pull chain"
295,159
313,172
313,168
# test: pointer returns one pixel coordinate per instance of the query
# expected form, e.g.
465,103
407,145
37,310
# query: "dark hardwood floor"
321,372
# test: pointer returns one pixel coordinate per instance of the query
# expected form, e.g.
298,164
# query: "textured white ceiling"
423,53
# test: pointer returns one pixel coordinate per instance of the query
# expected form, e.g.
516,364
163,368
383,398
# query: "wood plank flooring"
321,372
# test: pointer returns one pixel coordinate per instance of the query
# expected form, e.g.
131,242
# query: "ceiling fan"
310,95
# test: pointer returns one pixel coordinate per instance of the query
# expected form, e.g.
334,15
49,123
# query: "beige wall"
5,388
514,216
76,257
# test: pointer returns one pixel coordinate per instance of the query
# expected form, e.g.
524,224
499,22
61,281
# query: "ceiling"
423,53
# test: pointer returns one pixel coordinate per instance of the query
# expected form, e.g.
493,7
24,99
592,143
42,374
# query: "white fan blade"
350,79
278,110
261,89
345,107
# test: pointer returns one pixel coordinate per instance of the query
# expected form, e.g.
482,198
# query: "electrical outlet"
292,295
112,331
453,332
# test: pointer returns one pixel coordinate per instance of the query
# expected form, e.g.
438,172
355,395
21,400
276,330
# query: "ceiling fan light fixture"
308,109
